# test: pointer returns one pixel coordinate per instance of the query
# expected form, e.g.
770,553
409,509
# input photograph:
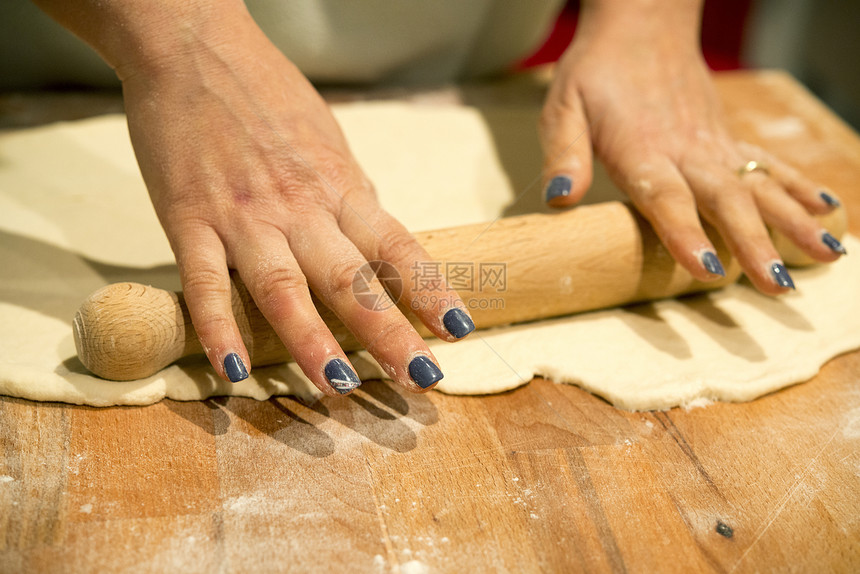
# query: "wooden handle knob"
522,268
836,222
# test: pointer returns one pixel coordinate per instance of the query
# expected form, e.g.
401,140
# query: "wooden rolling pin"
583,259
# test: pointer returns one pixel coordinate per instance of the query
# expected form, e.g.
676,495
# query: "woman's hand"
248,170
634,86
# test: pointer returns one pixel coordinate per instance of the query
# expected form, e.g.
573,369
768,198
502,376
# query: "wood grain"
546,478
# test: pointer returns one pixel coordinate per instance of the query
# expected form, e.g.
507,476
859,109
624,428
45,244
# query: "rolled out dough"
74,215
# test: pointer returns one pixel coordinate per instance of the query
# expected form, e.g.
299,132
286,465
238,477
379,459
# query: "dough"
74,215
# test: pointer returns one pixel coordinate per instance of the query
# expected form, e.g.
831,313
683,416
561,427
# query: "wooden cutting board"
544,478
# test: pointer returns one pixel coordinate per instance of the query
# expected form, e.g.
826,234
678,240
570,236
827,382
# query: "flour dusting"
414,567
699,403
851,428
782,128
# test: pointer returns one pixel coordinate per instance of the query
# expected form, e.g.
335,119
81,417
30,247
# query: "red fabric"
559,38
723,24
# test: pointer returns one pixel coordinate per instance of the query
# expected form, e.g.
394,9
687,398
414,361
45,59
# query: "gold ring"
752,166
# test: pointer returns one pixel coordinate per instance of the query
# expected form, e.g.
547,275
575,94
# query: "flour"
414,567
782,128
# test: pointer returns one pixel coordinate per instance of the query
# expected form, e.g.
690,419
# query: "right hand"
634,87
248,169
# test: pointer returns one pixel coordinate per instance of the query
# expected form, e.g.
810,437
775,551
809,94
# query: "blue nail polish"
781,276
340,376
833,243
235,368
559,186
458,323
711,262
424,371
829,199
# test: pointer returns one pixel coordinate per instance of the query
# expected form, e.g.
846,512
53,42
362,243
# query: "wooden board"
544,478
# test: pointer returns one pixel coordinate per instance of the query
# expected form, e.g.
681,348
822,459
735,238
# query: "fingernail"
341,378
559,186
781,276
829,199
424,371
711,262
458,323
235,368
833,243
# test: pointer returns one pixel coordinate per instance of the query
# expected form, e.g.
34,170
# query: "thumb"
566,143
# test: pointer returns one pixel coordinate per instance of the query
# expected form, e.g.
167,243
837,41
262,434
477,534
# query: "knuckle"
339,177
190,216
644,183
298,186
278,284
211,326
337,169
648,193
561,100
723,201
341,277
306,347
765,188
553,114
398,246
202,281
679,238
658,202
708,204
396,331
548,119
358,185
805,224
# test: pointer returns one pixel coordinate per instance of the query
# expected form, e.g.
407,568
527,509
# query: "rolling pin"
538,266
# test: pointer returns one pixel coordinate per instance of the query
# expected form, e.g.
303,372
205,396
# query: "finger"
333,264
280,290
785,214
206,282
663,197
425,289
730,207
563,128
815,199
